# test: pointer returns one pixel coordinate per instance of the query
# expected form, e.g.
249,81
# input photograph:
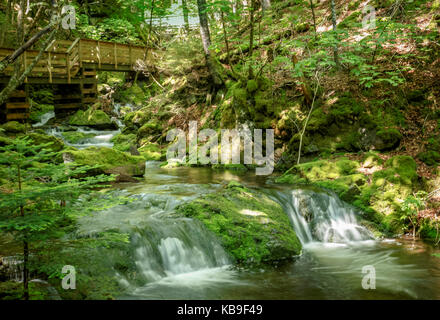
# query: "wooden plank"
17,116
17,105
68,106
67,96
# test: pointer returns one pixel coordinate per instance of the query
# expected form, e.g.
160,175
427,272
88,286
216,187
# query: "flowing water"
177,258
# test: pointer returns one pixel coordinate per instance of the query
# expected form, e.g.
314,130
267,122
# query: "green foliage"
410,209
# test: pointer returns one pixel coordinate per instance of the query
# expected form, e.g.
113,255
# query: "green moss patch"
252,227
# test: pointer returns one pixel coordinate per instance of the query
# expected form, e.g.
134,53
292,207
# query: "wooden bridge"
70,68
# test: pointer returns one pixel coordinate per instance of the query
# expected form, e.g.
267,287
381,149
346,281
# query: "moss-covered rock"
92,118
56,144
151,151
123,142
110,161
253,228
387,139
149,128
13,127
76,136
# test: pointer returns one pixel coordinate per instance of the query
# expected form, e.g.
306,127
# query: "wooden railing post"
25,65
99,54
129,55
49,66
115,55
80,54
68,67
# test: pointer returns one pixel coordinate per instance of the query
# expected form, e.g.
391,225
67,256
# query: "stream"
178,258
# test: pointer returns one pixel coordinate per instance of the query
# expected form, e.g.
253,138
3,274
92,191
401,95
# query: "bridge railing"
64,58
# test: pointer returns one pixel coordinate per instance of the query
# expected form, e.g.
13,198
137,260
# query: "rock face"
94,118
110,161
253,228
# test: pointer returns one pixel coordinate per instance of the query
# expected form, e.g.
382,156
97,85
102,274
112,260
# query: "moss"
110,161
252,86
91,117
149,128
319,121
379,197
123,142
252,227
431,158
346,110
134,95
151,151
38,110
388,139
38,139
76,136
13,127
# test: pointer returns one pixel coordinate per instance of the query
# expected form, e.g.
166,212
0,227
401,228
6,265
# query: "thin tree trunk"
251,36
5,24
204,27
335,48
314,16
226,37
148,38
185,15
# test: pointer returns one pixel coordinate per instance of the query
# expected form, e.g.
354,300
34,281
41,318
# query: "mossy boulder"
387,139
56,144
123,142
110,161
76,136
148,129
92,117
151,151
13,127
133,95
253,228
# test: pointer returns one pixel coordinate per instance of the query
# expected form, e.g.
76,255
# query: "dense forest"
346,95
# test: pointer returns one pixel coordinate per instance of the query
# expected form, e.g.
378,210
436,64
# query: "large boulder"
110,161
94,118
253,228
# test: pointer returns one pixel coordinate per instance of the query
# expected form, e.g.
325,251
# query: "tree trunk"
185,15
5,24
251,36
204,27
314,16
335,48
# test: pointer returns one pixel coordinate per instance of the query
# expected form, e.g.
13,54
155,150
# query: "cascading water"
44,119
322,217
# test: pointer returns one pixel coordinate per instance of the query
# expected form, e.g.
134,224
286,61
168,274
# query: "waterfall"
322,217
44,119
